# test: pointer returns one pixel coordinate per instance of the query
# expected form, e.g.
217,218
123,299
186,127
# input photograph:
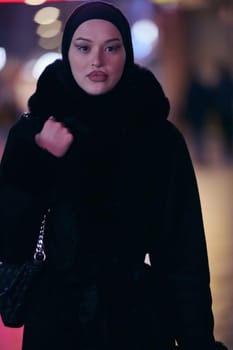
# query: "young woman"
97,149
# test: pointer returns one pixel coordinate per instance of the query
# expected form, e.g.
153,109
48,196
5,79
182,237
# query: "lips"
97,76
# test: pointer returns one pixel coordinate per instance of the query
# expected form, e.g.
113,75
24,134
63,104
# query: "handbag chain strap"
39,254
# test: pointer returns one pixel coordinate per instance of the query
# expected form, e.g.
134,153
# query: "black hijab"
59,95
98,10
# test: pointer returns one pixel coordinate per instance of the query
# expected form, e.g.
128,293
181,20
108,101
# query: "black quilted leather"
15,283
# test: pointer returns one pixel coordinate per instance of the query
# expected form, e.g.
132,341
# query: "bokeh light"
2,57
49,30
145,34
47,15
43,61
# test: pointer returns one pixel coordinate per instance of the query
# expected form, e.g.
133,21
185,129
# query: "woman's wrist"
39,142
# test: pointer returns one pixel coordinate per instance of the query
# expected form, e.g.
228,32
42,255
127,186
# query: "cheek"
121,63
119,68
75,62
77,68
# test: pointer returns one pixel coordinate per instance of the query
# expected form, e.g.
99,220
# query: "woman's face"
97,56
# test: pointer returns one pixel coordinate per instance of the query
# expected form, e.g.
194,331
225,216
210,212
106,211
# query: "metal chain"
39,254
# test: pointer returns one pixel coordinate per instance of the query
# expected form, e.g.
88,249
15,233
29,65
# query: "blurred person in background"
223,101
96,147
210,100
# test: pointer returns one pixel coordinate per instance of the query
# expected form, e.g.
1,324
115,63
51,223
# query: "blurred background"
188,44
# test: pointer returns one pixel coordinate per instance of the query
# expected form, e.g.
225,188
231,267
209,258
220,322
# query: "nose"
97,59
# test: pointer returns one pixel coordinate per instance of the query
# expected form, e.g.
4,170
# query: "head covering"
58,93
98,10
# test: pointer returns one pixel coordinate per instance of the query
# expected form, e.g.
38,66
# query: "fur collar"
56,94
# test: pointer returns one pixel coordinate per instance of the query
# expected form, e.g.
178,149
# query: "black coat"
120,192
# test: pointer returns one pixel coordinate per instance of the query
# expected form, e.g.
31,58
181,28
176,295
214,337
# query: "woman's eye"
83,48
112,48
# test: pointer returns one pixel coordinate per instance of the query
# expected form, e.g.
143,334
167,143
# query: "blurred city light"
46,15
43,61
34,2
2,57
51,43
145,34
49,30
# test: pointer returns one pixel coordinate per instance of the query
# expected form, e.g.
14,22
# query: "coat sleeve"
26,177
180,252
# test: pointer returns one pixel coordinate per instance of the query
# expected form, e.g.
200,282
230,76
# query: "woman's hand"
54,137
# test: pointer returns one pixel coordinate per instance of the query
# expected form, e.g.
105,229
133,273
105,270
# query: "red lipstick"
97,76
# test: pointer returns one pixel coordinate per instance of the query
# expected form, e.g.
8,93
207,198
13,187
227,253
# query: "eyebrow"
89,40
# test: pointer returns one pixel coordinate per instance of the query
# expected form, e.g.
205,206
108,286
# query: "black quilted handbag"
16,281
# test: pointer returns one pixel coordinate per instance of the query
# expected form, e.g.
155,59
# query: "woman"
96,147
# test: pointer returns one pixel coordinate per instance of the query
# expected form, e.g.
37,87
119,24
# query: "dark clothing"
125,188
205,101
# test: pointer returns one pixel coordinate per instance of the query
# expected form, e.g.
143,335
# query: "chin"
97,91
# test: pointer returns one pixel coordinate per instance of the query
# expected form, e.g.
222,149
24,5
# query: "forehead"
97,28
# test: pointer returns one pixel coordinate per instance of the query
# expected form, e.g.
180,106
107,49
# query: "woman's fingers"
54,137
